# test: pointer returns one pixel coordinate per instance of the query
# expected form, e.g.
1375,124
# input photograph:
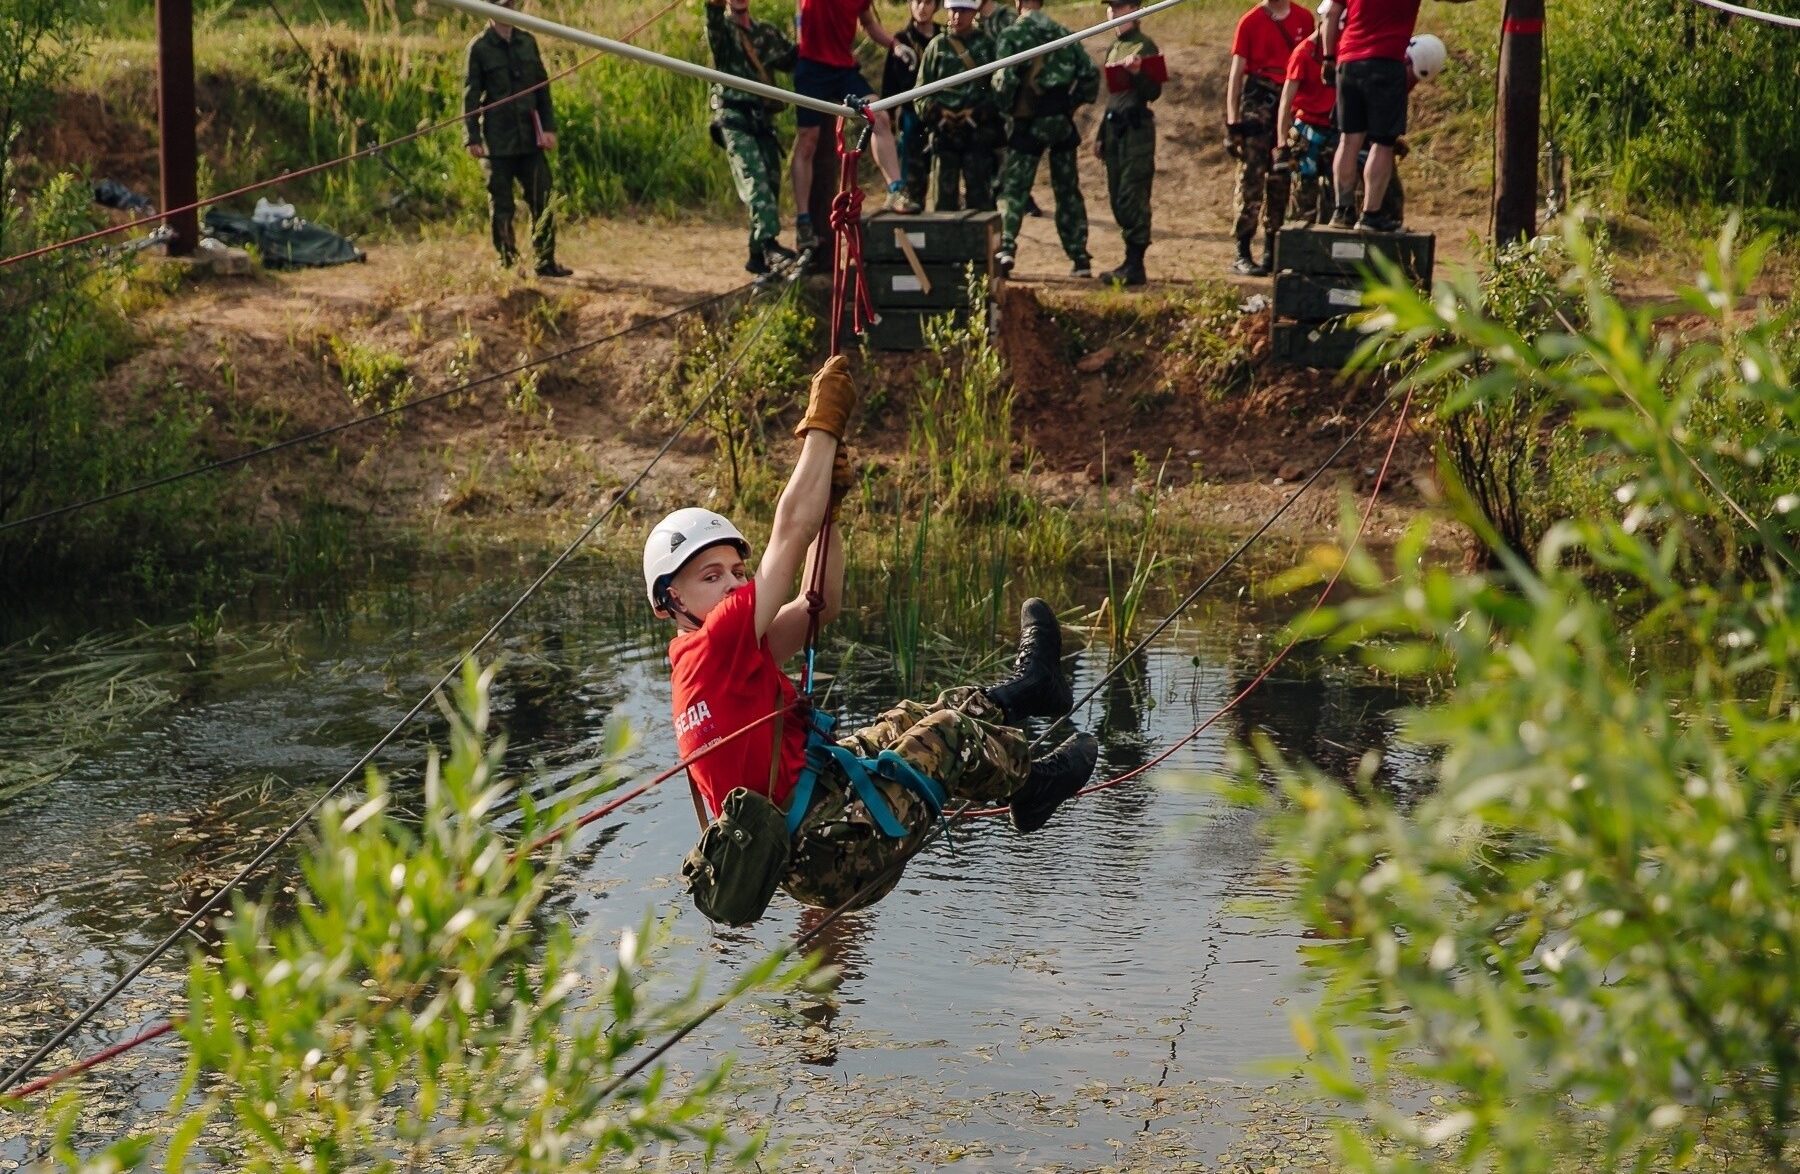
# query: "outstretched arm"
801,509
872,25
787,633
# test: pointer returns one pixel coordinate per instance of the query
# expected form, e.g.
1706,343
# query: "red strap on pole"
847,272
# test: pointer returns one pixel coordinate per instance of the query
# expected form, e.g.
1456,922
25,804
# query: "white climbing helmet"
678,538
1426,54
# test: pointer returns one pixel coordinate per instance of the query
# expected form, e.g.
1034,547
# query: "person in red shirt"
1365,49
856,807
1265,39
1306,109
827,69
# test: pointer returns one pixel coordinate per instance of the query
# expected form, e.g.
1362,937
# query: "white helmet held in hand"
1426,54
678,538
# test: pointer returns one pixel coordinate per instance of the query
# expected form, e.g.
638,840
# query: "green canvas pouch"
733,872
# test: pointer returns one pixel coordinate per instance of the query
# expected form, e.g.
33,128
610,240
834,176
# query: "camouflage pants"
1029,140
1130,157
531,172
756,170
962,180
1260,194
959,740
962,167
1313,199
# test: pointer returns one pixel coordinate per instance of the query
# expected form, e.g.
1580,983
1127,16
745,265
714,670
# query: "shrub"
1586,935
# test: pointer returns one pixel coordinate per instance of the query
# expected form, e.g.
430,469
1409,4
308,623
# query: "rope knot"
846,211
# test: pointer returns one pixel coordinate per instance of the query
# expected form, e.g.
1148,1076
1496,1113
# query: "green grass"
630,137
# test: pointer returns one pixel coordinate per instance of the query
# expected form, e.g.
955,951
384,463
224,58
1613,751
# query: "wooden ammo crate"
936,238
904,330
898,287
1336,252
1315,299
1314,344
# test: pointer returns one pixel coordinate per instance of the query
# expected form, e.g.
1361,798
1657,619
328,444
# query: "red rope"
154,1031
1368,515
314,169
847,272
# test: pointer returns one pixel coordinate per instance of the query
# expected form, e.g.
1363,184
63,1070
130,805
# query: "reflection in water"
1002,964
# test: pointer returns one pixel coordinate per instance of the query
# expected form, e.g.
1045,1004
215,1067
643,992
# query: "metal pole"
175,120
1516,129
550,28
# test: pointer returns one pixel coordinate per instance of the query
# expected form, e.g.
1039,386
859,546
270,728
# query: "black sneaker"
1053,781
1344,216
1376,222
1082,269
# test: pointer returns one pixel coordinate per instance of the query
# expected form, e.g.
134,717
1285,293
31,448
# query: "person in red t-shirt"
1265,38
733,631
1306,109
1366,50
827,69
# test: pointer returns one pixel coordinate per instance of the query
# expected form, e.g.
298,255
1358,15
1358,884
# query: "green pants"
959,740
1029,140
531,172
962,167
1260,193
755,157
1130,156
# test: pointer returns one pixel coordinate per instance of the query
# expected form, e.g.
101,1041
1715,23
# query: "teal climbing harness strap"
861,773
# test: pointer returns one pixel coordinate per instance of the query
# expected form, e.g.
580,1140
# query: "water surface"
1101,992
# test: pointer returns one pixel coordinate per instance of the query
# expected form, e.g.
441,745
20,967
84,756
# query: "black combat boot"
758,264
1053,781
1037,687
1245,265
1131,272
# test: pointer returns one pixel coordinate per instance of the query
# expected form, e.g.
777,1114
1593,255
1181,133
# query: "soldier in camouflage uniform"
996,18
962,741
744,125
733,631
966,129
511,139
1041,97
1260,49
1127,141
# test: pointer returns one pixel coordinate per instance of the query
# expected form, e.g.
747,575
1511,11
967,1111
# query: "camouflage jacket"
1055,83
1144,90
757,53
498,68
1003,17
947,56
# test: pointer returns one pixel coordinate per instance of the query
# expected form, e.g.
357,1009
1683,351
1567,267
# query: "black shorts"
1371,99
828,83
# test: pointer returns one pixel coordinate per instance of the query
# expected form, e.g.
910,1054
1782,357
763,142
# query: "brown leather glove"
833,399
843,478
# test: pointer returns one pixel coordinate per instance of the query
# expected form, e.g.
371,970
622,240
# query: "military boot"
1037,687
1245,265
1131,272
1053,781
758,264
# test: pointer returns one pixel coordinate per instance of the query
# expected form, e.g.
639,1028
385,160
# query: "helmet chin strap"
672,603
